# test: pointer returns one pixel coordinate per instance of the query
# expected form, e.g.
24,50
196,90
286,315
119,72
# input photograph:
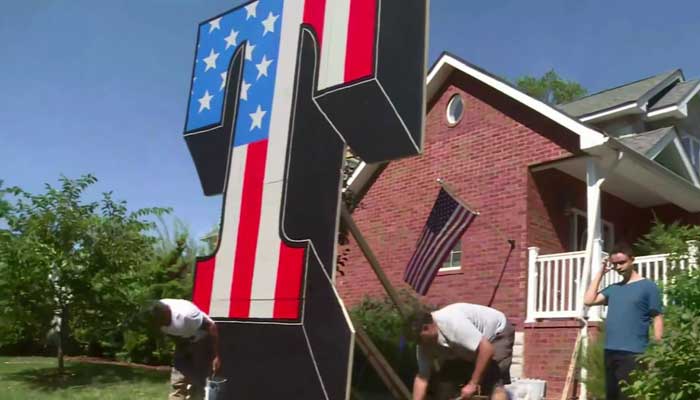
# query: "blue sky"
101,87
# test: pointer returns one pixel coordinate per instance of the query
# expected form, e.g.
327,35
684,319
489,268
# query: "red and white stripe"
254,274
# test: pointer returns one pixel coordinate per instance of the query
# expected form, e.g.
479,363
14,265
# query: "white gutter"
589,137
674,111
612,112
679,110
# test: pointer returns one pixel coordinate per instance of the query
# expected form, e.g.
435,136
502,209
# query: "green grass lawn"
36,378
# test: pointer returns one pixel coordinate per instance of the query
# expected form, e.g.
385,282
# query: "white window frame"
575,240
691,145
457,250
451,119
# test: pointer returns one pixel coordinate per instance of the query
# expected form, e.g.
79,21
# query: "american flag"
254,274
447,222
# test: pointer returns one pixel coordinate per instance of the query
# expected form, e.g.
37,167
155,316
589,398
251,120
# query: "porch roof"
636,179
647,142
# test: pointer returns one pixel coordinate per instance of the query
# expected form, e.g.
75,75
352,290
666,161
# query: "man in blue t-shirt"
633,305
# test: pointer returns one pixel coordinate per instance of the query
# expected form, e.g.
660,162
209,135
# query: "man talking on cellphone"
633,304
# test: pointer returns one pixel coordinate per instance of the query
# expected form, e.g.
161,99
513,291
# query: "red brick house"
539,174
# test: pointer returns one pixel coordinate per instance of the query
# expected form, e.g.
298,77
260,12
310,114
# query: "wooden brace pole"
373,262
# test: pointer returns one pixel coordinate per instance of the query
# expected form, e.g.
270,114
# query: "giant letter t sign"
278,89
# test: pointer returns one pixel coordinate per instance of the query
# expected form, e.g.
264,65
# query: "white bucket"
527,389
213,389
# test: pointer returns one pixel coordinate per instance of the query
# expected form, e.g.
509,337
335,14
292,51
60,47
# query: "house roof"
592,141
628,94
448,63
646,142
677,95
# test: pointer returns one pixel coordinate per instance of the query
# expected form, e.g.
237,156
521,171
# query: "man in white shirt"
197,345
463,349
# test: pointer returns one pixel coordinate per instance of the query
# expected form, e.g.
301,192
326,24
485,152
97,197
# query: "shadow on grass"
84,374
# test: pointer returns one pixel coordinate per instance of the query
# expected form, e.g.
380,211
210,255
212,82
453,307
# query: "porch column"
594,180
532,289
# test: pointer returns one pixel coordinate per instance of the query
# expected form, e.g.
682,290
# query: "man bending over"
196,348
463,350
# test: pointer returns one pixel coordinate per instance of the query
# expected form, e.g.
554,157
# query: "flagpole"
464,204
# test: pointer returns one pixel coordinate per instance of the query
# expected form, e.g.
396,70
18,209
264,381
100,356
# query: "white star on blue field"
258,23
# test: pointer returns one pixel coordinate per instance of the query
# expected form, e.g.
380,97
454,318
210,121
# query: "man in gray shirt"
463,349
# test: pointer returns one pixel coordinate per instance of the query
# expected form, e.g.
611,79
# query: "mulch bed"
97,360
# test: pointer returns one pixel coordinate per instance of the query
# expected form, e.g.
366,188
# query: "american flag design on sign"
279,88
254,273
447,222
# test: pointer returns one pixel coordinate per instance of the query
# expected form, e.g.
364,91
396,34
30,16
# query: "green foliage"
668,238
4,204
209,242
593,359
672,367
168,274
550,88
389,332
91,265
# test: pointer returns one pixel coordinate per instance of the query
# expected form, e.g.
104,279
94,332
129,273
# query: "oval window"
455,109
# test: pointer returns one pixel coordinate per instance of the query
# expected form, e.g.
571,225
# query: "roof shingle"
614,97
676,95
644,142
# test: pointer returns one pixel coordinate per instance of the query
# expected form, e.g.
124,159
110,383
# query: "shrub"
672,367
668,238
389,332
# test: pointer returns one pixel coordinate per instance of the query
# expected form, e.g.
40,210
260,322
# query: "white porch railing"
553,280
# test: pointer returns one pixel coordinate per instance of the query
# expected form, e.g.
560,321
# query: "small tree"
69,265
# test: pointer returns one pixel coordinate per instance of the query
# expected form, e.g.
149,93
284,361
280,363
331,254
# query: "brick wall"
557,338
485,158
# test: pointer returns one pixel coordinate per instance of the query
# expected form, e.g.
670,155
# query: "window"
692,148
454,260
579,232
455,109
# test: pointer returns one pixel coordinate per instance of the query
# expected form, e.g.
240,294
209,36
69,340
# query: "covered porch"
588,202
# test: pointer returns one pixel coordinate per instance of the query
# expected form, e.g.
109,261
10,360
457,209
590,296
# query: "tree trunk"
61,333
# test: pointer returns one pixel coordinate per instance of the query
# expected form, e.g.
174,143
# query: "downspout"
587,267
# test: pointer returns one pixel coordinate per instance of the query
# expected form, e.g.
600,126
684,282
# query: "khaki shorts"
447,383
